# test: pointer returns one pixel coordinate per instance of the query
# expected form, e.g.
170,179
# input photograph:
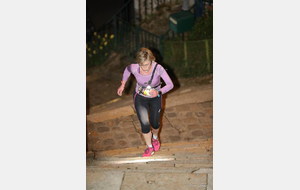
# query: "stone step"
157,166
180,157
181,165
178,148
104,179
152,162
161,167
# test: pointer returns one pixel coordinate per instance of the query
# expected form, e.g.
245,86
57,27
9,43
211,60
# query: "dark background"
100,11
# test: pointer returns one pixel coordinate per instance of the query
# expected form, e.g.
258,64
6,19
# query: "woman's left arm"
169,84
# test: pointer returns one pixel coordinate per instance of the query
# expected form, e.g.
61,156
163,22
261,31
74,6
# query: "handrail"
118,11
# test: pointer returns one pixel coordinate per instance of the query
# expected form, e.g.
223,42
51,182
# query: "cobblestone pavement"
187,115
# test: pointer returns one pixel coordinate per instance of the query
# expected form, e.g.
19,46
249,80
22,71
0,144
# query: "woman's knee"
156,126
146,129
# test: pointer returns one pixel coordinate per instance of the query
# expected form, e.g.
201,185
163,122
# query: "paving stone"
182,114
203,121
110,147
197,133
164,119
188,114
129,130
137,124
137,143
195,108
120,136
208,133
109,142
206,126
126,124
158,180
134,136
171,131
105,135
188,138
90,127
174,138
116,128
200,114
174,121
92,134
189,120
100,124
193,127
166,126
135,118
209,111
94,141
97,147
112,123
102,129
179,127
122,143
184,108
171,109
171,114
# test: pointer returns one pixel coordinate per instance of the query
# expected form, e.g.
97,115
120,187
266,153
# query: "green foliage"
189,58
203,28
98,50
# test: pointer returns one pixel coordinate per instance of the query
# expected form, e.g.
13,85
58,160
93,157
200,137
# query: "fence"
189,58
119,35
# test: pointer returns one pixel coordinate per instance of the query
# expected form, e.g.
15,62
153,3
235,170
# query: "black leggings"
141,105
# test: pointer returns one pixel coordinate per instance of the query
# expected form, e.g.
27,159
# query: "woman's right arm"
126,75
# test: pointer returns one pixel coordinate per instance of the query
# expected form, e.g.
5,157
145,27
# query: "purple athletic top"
142,80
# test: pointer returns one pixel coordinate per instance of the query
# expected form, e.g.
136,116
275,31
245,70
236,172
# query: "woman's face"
146,66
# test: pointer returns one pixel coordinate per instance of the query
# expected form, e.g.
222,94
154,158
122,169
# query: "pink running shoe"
148,152
155,144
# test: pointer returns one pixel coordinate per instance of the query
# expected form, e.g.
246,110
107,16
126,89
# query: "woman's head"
144,56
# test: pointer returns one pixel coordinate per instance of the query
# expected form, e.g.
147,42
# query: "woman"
147,95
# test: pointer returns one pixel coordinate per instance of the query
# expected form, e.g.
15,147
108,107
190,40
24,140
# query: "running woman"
148,95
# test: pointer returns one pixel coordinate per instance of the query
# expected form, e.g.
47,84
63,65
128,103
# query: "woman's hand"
120,90
153,93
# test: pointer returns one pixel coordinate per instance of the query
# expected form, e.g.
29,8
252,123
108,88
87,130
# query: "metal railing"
120,35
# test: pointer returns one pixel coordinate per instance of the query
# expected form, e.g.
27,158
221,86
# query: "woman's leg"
141,108
155,110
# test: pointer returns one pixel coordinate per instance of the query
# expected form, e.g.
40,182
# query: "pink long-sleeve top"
142,80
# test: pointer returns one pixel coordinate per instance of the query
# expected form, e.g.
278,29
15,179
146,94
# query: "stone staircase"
180,165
